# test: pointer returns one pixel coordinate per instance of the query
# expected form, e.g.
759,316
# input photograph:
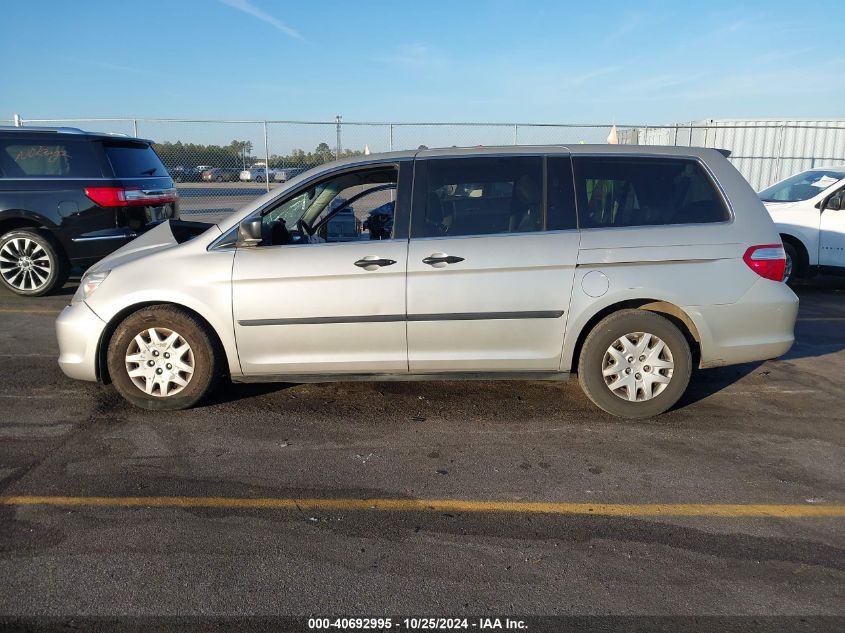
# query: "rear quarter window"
134,160
48,159
629,191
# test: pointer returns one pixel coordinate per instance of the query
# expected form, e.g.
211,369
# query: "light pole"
337,120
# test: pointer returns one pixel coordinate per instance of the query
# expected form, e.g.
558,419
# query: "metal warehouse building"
764,150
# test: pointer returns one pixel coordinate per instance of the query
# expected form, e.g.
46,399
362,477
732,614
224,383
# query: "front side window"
482,196
352,206
629,191
802,186
66,159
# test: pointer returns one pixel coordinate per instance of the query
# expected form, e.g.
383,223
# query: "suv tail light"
767,260
130,196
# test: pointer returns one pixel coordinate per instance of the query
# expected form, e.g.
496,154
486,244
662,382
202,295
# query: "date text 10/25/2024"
416,624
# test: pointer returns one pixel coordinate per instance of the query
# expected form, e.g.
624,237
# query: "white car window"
801,186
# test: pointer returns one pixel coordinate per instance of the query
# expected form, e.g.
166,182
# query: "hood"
782,206
165,236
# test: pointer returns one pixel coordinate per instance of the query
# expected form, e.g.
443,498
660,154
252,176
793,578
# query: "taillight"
130,196
767,260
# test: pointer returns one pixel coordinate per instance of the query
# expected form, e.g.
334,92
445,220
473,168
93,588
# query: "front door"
489,270
314,299
832,234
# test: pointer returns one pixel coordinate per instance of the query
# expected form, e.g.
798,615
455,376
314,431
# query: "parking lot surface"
258,502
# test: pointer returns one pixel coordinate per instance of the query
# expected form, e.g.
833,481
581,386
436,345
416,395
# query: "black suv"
69,198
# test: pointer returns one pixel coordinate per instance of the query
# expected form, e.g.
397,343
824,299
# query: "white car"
809,213
286,173
255,174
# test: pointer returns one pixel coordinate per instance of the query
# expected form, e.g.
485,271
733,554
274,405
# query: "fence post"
391,137
135,128
676,136
516,134
266,158
337,120
17,118
779,156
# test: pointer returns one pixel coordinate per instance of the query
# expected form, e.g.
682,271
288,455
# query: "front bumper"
761,325
79,331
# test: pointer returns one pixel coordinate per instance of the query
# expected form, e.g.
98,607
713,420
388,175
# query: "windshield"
801,186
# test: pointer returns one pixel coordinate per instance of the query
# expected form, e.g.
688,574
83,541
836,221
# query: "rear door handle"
372,263
439,260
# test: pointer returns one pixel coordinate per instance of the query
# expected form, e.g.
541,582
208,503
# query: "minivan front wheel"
31,264
163,358
635,364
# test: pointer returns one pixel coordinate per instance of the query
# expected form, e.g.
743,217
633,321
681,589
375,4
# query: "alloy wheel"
787,269
24,264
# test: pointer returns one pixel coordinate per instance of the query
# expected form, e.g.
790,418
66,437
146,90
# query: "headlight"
90,282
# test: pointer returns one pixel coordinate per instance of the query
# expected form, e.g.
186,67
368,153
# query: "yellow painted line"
444,505
28,311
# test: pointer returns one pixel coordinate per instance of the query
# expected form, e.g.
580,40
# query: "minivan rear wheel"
31,263
635,364
163,358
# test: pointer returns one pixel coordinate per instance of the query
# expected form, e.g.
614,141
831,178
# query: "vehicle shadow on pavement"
707,382
227,392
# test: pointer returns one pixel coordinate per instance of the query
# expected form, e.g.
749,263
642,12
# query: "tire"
218,179
793,264
203,356
609,332
32,263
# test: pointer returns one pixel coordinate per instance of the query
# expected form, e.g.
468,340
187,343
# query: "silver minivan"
628,265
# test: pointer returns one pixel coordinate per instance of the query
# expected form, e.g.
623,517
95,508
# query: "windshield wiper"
149,172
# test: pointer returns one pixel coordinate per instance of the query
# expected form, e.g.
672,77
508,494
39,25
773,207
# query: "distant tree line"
238,153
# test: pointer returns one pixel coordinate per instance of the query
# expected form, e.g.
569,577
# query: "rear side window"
46,159
482,196
627,191
134,160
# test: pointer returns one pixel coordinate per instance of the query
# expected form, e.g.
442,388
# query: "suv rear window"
134,160
48,159
627,191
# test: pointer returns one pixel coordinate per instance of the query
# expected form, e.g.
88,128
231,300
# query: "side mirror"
834,203
249,233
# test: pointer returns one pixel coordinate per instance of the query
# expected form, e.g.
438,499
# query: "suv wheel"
163,358
635,364
31,263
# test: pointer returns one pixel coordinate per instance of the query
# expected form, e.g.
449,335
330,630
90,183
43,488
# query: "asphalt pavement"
108,510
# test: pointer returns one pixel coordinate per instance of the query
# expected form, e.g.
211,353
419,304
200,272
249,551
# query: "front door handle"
439,260
374,263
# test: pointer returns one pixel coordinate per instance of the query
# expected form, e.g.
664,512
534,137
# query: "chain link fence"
220,165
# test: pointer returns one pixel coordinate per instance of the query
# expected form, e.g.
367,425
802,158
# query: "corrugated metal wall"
763,150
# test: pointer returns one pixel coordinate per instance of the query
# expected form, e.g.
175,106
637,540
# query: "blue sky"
434,60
